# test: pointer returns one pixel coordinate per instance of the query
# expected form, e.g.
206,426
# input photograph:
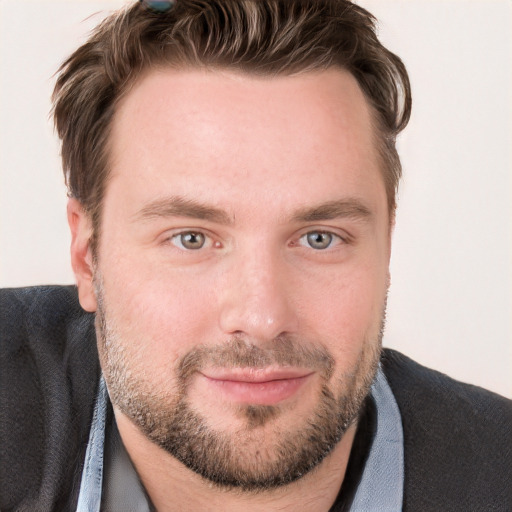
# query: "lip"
257,386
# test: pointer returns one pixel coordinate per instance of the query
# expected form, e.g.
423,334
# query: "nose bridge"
257,300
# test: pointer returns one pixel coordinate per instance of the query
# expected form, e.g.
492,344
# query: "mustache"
239,352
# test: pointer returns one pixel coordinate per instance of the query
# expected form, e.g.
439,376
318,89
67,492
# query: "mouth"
257,386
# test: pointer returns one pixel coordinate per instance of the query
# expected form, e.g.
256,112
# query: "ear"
81,254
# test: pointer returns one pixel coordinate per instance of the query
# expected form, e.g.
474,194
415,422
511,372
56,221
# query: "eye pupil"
319,240
192,240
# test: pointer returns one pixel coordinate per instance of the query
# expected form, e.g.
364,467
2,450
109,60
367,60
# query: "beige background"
450,303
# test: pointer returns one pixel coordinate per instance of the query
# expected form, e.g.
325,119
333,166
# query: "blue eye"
318,240
189,240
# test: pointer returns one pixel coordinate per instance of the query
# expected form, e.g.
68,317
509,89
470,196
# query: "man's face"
242,268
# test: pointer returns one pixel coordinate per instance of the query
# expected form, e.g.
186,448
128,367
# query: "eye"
319,240
189,240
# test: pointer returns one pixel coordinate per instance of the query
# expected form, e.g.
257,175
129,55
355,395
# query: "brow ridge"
177,206
341,208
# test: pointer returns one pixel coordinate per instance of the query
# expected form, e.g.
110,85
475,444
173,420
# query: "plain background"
450,304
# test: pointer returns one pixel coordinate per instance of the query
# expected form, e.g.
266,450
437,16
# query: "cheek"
347,310
160,316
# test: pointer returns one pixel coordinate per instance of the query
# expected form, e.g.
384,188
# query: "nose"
257,299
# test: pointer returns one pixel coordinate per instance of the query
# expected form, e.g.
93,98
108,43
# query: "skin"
272,160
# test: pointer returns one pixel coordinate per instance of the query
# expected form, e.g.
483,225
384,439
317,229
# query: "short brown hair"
264,37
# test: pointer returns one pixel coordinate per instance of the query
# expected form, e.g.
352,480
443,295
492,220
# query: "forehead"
213,130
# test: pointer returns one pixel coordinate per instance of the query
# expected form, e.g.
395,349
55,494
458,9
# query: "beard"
260,454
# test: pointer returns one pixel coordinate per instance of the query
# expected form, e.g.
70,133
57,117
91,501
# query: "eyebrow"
177,206
343,208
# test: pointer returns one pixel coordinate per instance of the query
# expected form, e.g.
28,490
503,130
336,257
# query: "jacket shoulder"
457,437
49,372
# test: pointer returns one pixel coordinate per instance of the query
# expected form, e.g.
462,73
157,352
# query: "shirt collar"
382,484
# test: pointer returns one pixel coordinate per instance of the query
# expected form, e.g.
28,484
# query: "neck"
173,487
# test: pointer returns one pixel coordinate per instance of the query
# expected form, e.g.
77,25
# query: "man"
232,175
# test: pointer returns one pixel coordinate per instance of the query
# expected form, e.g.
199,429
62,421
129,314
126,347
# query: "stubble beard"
239,460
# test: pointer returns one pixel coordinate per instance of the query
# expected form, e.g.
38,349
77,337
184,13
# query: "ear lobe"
81,254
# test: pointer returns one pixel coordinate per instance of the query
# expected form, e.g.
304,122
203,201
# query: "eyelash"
177,237
333,239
